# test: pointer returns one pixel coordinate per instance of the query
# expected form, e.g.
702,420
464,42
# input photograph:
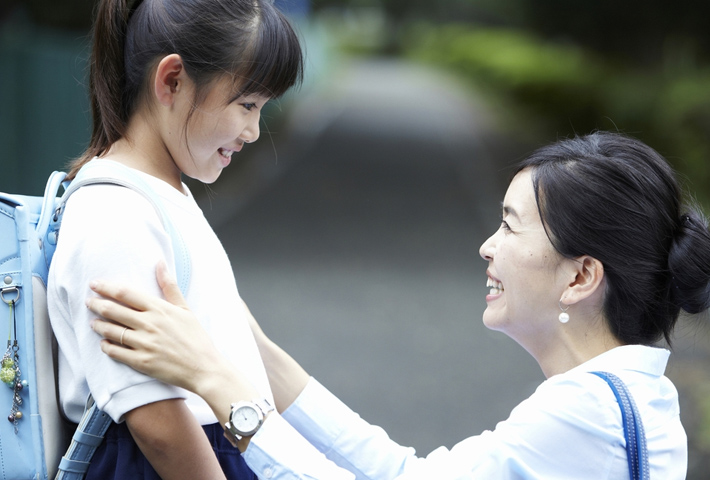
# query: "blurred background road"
355,244
361,257
354,223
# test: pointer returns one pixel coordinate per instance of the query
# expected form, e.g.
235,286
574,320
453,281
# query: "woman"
593,261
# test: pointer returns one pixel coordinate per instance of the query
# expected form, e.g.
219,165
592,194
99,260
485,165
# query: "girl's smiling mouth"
226,153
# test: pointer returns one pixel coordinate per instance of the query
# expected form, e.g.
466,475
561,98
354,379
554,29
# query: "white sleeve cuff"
277,451
345,438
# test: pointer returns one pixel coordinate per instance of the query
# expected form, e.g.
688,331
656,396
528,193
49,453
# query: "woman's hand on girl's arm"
160,338
166,341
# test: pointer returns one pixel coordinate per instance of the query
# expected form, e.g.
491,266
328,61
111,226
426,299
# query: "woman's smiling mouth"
496,288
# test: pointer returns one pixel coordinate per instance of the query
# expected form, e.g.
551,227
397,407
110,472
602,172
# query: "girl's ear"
587,281
169,79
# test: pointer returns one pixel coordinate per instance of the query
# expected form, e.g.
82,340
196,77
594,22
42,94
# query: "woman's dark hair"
617,200
249,40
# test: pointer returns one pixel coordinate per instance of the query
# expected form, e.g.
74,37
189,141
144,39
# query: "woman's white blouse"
569,428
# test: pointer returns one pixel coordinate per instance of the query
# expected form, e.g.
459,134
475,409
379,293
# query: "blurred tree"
644,32
489,11
640,31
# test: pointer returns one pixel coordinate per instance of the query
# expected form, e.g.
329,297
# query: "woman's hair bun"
689,263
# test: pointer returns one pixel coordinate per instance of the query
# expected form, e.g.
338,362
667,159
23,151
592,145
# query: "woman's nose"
487,249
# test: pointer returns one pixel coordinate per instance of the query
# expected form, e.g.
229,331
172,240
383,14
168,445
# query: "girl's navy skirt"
118,457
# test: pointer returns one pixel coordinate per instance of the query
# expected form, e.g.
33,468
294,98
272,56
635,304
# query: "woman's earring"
564,316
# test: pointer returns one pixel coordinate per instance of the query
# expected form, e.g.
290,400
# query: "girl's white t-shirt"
113,233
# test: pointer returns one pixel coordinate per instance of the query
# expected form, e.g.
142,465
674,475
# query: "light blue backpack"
35,436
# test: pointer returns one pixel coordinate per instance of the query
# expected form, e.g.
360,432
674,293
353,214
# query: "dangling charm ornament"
564,316
7,369
10,373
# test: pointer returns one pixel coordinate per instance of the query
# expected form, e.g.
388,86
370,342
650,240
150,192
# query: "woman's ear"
169,79
588,279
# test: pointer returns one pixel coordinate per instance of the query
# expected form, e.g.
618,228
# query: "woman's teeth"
225,153
496,287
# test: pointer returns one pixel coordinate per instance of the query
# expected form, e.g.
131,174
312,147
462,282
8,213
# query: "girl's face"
219,127
524,270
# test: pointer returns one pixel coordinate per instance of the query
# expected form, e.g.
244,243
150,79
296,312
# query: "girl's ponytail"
107,78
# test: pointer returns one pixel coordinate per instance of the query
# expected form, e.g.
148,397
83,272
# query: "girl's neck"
141,148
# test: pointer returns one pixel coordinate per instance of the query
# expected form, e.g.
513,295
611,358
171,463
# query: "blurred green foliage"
563,88
561,67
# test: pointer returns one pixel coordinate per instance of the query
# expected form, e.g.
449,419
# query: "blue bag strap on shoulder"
636,450
88,436
94,423
100,171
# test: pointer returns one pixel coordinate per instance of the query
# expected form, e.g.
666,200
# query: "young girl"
176,86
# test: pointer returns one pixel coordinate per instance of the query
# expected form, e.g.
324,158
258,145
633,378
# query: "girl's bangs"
277,61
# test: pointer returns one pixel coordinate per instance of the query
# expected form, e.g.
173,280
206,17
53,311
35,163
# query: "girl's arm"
165,432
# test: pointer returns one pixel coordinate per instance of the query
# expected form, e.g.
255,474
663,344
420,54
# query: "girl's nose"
251,133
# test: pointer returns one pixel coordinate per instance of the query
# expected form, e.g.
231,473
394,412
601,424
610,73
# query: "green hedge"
562,89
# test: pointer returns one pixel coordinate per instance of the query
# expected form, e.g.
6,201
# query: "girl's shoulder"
109,202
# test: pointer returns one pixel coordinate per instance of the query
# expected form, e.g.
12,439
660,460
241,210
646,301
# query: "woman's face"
524,274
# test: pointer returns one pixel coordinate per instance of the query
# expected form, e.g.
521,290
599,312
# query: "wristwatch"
246,418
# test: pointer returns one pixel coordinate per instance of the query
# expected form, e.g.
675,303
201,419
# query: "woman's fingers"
127,296
113,311
117,334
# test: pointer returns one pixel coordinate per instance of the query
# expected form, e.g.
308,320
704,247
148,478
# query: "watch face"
245,419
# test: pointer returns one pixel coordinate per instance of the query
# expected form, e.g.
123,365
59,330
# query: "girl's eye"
249,106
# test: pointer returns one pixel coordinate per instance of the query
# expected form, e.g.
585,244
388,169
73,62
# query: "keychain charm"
10,373
7,368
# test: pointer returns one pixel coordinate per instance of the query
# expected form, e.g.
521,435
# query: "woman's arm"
164,340
286,376
161,339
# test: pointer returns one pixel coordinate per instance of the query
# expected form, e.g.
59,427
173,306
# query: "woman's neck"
576,344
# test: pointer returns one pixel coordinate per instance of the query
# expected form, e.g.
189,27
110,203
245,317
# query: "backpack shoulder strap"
86,439
100,171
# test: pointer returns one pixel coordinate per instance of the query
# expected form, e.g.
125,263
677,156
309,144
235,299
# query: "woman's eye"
249,106
504,225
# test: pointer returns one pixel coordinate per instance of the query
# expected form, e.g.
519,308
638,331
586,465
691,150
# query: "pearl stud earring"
564,316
